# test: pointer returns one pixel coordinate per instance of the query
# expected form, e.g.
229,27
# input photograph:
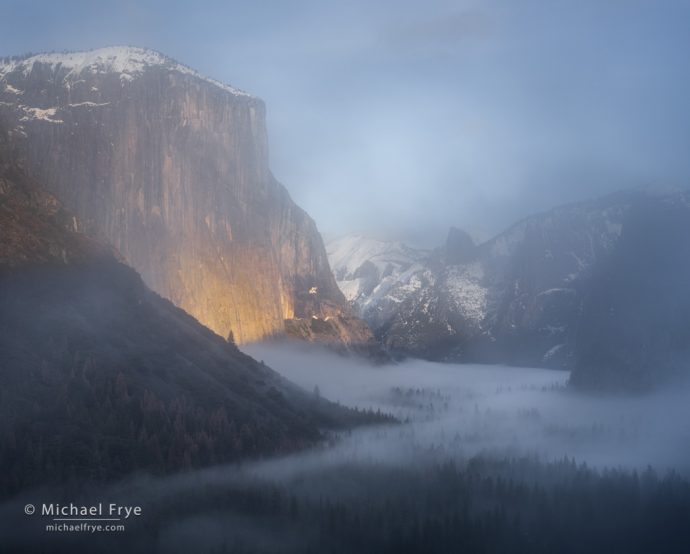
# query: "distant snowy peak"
367,268
347,254
127,61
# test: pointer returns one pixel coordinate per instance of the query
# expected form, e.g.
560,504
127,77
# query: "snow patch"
88,104
552,352
38,114
549,292
351,289
11,89
465,288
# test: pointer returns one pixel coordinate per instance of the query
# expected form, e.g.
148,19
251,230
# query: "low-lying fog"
449,413
460,411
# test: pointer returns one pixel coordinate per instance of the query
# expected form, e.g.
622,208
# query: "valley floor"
485,459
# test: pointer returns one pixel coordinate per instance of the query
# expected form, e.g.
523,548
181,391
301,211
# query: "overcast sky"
400,119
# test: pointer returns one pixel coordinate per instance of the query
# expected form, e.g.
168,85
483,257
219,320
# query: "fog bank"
461,411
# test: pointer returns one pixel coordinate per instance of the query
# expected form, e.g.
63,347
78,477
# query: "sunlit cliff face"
172,169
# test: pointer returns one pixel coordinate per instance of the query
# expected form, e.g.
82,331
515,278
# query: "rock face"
513,299
172,169
460,247
100,376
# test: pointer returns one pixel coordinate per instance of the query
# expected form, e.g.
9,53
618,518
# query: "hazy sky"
400,119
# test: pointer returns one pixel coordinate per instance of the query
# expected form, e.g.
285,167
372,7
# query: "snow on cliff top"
125,60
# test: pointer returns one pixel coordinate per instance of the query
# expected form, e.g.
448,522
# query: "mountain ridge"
518,298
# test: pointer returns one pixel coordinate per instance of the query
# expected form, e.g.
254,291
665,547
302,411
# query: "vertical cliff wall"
172,169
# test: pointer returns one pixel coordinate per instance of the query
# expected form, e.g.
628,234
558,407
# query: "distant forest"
484,506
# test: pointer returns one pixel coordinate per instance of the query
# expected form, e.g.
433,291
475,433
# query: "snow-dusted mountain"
376,275
171,168
515,298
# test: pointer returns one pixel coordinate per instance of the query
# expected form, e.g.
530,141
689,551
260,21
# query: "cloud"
418,116
447,30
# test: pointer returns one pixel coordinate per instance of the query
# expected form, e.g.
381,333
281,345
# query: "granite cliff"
100,376
171,168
